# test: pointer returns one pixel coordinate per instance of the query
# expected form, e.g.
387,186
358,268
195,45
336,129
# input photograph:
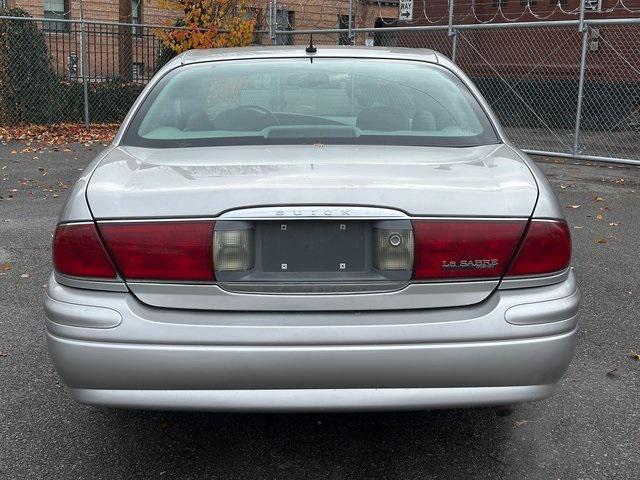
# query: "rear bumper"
301,400
330,378
503,351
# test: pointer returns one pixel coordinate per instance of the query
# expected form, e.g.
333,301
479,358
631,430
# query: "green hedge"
109,101
32,93
28,85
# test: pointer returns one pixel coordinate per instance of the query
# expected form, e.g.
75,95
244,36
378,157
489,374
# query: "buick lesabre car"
282,229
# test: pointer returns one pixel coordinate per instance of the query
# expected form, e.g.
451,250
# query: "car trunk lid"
480,181
312,215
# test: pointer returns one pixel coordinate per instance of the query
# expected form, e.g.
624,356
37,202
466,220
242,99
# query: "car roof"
298,51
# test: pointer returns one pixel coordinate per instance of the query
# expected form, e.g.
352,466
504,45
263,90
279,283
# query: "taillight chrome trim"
313,289
73,222
224,217
157,220
313,212
116,285
414,296
509,283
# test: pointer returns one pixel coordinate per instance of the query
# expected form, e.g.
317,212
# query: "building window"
284,21
384,39
343,24
255,14
136,16
593,5
137,70
59,10
73,65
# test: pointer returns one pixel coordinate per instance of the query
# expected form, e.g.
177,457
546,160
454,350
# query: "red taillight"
449,249
546,249
161,250
78,251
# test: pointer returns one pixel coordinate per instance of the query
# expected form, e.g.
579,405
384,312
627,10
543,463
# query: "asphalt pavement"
589,430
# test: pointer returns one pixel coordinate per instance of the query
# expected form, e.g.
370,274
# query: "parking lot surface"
589,430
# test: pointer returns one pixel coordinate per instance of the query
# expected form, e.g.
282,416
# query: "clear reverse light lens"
233,250
392,249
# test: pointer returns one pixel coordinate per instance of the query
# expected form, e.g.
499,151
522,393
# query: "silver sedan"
289,229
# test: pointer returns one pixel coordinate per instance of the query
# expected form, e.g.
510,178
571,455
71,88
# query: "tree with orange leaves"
210,24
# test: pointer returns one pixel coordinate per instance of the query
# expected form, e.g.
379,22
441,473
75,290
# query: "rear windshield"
292,101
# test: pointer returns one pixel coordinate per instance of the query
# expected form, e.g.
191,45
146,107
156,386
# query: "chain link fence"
565,88
51,71
534,74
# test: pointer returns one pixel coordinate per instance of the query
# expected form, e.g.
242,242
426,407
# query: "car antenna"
311,48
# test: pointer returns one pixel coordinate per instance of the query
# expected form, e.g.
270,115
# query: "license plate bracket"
319,246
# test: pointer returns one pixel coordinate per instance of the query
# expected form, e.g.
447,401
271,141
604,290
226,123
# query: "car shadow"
465,443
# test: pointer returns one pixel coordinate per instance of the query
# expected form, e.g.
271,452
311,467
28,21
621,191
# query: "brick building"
296,14
104,55
539,65
520,10
613,53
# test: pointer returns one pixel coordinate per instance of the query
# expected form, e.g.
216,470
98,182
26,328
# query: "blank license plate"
313,246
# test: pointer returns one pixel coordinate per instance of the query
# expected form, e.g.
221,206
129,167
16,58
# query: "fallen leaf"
6,266
599,217
520,423
573,206
60,134
601,240
576,226
24,275
635,355
614,224
598,198
166,424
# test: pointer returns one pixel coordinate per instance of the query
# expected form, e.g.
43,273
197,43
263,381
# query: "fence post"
451,32
581,24
583,65
83,67
454,46
273,21
350,27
